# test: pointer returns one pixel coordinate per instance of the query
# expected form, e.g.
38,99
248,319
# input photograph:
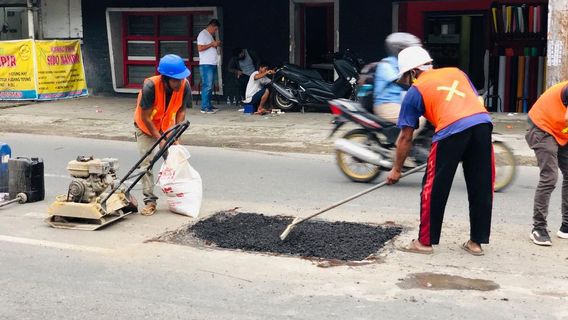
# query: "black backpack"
366,85
367,75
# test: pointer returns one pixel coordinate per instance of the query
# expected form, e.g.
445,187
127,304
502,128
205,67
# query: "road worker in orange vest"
161,105
548,137
447,98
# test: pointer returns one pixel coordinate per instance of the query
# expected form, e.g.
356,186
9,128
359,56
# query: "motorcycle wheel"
279,101
505,166
353,168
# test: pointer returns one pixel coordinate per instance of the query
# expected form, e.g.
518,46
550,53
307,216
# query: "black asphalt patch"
315,239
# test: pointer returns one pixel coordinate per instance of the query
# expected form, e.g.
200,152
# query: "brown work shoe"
149,209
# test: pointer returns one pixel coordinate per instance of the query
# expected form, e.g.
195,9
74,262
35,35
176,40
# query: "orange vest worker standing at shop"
548,137
463,128
161,105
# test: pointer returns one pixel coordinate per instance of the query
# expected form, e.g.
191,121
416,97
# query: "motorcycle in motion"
295,87
364,153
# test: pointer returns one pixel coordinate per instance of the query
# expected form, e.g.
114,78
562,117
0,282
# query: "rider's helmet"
396,42
173,66
412,58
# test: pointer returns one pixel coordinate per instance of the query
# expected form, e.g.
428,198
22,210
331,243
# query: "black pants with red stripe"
474,149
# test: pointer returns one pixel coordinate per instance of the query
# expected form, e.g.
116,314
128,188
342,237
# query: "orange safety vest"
548,113
162,118
448,96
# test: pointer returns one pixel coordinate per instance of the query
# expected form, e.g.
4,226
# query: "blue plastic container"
5,155
249,108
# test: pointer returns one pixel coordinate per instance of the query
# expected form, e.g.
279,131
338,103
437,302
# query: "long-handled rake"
299,220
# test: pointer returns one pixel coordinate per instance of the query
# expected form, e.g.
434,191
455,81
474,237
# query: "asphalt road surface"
113,273
286,182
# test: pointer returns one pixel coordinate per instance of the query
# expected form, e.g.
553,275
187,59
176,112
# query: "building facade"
123,40
501,44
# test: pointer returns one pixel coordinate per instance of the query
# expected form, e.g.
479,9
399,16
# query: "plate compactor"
96,197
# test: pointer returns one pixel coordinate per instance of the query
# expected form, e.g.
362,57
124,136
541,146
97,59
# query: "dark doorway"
458,40
477,52
318,40
316,37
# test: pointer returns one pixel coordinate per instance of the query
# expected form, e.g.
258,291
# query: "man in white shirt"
207,47
257,93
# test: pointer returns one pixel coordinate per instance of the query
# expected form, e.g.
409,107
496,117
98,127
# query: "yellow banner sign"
17,76
60,72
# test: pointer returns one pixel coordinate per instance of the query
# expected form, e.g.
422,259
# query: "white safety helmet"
398,41
412,58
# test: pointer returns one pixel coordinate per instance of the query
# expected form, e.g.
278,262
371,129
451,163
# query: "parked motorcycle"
295,87
364,153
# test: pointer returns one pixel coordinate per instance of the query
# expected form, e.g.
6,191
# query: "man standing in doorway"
207,47
161,105
242,64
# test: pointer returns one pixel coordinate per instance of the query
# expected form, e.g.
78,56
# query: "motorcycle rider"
386,92
463,128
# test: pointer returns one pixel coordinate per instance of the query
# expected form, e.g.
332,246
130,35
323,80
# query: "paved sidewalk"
111,118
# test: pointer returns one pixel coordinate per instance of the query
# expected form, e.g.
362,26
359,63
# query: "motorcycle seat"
384,123
306,72
361,110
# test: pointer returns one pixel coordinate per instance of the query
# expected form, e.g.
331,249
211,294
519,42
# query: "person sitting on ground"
257,92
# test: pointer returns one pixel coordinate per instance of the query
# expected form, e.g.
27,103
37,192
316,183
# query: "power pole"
557,46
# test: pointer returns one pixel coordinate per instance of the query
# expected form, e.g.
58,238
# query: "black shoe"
540,237
563,232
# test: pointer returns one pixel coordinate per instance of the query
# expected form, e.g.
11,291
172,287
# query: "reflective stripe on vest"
548,113
448,96
161,117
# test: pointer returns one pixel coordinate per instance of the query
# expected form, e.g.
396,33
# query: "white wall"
61,19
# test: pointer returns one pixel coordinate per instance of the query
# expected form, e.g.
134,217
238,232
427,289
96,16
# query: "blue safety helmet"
172,66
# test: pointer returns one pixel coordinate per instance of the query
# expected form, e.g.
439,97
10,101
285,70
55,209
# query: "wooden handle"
364,192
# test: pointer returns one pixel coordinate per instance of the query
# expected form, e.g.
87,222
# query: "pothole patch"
252,232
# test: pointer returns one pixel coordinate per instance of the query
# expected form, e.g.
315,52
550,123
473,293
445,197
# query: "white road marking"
51,175
57,245
33,214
